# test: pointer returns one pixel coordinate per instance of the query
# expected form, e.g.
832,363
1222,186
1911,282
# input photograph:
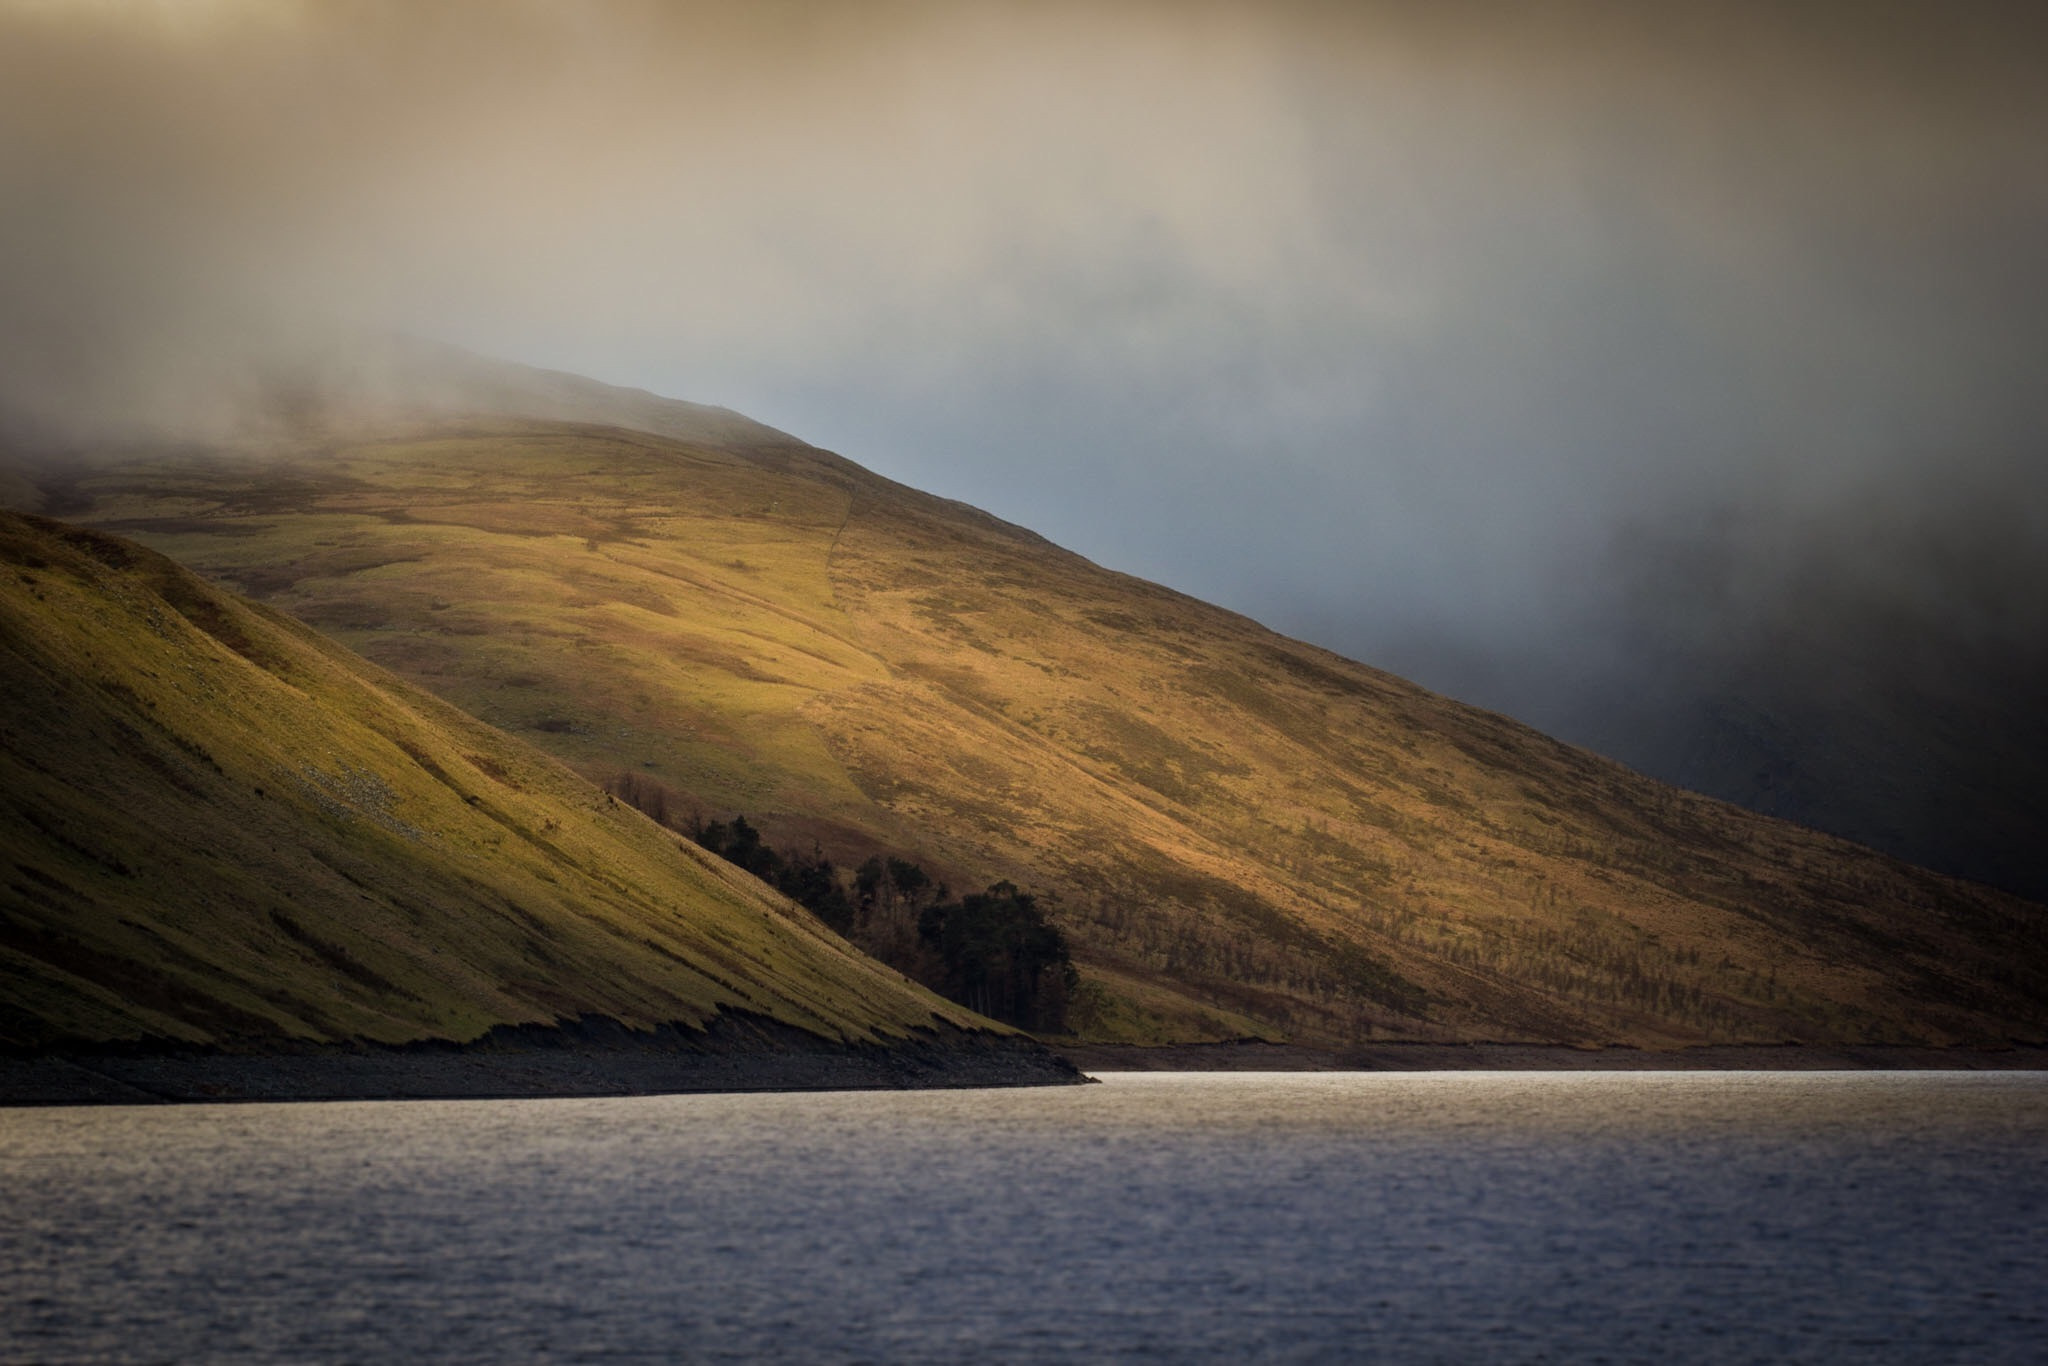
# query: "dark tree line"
999,955
809,881
993,952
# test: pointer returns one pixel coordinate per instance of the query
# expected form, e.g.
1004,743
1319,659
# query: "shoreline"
579,1058
598,1057
1258,1056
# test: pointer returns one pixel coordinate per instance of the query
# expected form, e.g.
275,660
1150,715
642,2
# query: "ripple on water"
1447,1216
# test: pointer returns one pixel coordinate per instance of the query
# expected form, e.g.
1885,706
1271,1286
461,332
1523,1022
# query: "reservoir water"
1666,1217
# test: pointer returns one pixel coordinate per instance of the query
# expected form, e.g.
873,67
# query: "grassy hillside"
1241,834
217,825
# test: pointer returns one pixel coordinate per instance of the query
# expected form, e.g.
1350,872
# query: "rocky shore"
586,1057
1255,1056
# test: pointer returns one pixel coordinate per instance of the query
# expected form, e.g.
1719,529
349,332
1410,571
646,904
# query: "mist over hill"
1665,376
1874,675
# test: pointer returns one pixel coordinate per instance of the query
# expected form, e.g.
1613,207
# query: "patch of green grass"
217,826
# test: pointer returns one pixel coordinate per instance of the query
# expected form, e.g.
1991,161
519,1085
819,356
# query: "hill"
1242,835
219,828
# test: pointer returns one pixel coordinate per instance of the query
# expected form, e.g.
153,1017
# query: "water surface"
1428,1217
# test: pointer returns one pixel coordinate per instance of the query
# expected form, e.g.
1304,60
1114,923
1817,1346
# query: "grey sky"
1505,345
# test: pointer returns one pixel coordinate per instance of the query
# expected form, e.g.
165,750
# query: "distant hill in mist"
1920,739
1876,673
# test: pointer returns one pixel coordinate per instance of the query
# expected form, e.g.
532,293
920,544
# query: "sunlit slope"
1241,833
216,826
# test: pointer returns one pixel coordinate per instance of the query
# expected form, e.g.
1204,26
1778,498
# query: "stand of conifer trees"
993,952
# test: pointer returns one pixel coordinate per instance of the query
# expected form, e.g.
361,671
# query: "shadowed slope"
1241,834
217,826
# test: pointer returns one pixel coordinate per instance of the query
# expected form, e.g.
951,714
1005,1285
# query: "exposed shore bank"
589,1057
597,1057
1254,1056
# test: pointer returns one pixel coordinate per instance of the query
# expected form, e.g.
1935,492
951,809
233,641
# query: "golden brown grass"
1240,833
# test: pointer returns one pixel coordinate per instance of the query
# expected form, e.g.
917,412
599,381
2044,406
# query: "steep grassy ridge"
1241,834
218,826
